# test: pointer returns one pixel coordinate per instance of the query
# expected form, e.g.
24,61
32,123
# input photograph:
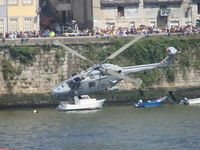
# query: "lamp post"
6,5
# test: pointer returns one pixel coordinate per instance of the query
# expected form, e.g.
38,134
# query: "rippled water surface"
111,128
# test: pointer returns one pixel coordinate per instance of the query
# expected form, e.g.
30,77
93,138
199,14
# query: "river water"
171,127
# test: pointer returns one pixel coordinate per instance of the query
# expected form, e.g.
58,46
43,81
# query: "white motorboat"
194,101
83,102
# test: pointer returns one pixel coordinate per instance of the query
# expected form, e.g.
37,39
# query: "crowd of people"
99,32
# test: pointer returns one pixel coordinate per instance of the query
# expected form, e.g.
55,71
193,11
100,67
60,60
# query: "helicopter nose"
52,92
61,92
56,92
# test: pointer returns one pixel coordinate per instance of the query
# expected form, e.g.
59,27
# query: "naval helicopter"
102,76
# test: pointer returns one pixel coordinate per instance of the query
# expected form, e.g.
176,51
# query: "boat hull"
87,105
152,103
195,101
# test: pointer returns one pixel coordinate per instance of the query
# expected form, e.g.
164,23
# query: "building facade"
3,16
82,12
126,13
19,15
61,9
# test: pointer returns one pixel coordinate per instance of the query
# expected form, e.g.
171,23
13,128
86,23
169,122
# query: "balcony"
163,1
107,3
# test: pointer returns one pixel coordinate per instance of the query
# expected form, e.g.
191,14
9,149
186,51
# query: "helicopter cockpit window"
103,73
119,71
72,84
97,68
78,79
91,84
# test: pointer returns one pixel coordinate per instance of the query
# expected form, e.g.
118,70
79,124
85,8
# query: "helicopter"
102,76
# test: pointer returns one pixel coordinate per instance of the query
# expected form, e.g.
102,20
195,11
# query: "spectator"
105,32
52,34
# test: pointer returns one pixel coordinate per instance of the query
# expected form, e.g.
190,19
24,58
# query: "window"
27,2
198,22
152,23
91,84
12,2
198,8
28,25
13,25
110,25
163,6
72,84
1,2
132,24
120,11
174,23
1,26
103,85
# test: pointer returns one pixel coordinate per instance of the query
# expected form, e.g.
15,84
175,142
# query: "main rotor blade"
136,81
123,48
72,51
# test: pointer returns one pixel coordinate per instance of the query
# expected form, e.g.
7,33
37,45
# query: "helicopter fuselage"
103,76
88,82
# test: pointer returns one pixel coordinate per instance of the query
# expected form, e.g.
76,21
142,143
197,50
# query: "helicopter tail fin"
169,59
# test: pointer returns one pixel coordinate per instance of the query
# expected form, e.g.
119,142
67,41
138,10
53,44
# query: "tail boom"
163,64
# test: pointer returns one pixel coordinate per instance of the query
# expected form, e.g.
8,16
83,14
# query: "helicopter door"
92,84
88,86
102,83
